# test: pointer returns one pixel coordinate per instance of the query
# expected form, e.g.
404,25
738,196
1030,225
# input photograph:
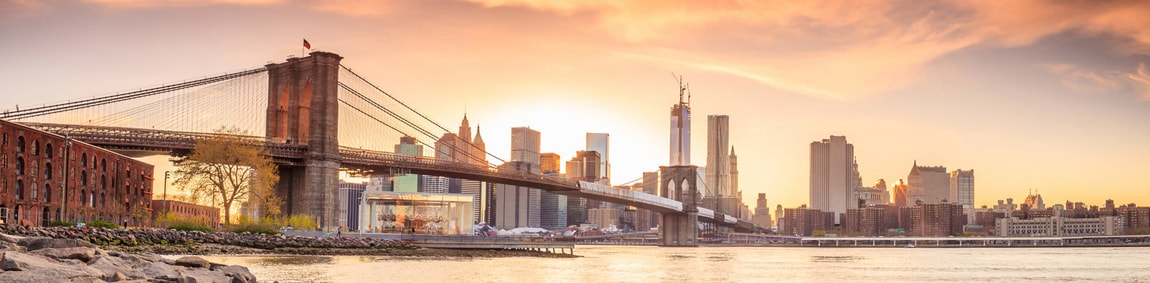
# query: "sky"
1052,96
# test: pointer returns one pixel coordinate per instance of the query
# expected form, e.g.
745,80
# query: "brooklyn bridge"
320,118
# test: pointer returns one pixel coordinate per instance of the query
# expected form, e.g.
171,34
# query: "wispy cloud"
1141,79
15,9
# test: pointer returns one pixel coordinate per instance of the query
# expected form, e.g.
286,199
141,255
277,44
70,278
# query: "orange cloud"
843,50
178,3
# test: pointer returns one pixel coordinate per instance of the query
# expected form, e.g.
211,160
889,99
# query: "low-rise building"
183,211
1059,226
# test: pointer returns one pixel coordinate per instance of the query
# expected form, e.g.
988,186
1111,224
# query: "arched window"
47,170
5,142
35,147
16,215
103,201
84,160
94,163
33,190
103,165
91,199
19,165
44,218
82,194
47,194
83,178
103,182
48,151
19,189
20,144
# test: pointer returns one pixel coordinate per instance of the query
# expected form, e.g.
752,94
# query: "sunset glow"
1031,94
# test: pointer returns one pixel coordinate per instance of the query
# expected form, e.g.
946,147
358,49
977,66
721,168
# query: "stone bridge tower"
303,108
680,183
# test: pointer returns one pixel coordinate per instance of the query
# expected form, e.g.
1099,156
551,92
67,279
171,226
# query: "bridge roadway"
180,143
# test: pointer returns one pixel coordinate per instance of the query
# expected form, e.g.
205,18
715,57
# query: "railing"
147,138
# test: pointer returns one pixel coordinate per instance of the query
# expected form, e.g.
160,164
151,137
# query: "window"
103,165
83,178
47,170
19,189
84,160
35,147
47,193
5,143
19,165
48,150
20,144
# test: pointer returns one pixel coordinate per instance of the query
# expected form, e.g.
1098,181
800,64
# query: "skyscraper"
962,191
718,182
525,147
681,130
929,184
517,206
900,194
407,182
832,166
962,187
762,216
601,142
582,167
549,162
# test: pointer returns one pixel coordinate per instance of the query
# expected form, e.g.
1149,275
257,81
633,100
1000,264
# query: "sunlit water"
725,264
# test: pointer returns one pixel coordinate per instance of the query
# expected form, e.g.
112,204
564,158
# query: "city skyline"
1035,95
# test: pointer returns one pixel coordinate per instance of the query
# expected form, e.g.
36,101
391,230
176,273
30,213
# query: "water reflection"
720,264
823,258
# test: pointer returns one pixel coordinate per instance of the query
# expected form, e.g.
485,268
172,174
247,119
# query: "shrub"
100,223
61,224
186,226
258,229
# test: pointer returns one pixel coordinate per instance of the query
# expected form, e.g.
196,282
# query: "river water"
725,264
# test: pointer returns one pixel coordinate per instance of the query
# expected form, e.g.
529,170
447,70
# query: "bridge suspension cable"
200,105
371,103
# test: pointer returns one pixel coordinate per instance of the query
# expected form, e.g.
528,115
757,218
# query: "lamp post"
64,188
166,175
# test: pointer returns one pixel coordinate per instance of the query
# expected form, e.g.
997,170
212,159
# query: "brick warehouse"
39,170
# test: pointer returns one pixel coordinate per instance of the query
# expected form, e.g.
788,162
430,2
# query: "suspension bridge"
321,118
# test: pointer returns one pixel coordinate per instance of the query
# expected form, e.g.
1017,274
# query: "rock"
113,266
193,261
197,275
239,274
48,243
160,271
82,254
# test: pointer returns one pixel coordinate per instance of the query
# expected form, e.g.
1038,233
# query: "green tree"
227,168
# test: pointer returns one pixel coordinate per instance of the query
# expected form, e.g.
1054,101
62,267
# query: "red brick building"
45,177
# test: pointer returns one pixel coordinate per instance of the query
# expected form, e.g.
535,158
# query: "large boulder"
36,243
79,253
193,261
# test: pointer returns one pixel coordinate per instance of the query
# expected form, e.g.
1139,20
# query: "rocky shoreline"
43,259
172,242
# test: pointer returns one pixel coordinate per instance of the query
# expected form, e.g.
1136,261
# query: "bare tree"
227,168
